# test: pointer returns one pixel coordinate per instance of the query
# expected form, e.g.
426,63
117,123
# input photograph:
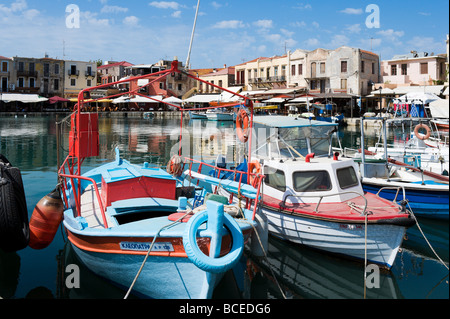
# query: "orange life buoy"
254,168
420,136
242,126
174,166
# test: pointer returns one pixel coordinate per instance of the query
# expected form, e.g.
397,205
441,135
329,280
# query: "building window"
344,84
56,84
394,69
373,68
363,66
300,69
4,66
313,69
46,69
268,73
31,67
89,82
89,71
21,66
293,70
21,82
73,82
424,68
73,70
404,69
343,66
275,71
180,86
322,67
56,68
32,82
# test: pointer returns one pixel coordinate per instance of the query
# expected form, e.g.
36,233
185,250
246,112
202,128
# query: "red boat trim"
389,213
111,245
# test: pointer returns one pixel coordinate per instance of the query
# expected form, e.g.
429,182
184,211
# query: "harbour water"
30,144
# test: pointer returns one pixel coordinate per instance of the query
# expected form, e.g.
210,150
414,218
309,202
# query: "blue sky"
228,32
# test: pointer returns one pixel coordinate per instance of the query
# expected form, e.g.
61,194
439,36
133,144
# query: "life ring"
14,227
420,136
174,166
242,121
254,168
206,263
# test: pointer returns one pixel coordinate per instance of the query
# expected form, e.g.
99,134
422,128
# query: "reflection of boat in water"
197,115
305,273
214,115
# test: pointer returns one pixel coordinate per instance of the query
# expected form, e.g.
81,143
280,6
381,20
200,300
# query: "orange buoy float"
174,166
242,126
420,136
254,168
45,220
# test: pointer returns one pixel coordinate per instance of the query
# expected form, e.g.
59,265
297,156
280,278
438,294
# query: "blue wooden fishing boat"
146,229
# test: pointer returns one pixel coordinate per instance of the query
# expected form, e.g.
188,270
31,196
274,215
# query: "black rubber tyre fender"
14,227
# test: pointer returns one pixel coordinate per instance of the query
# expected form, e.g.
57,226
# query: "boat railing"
321,197
76,189
258,178
397,188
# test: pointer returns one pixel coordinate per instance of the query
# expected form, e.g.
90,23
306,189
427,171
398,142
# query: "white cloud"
287,33
176,14
229,24
392,35
113,9
312,43
338,41
131,21
302,6
298,24
265,24
165,5
354,28
352,11
216,5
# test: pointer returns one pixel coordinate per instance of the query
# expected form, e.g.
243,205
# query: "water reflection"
30,144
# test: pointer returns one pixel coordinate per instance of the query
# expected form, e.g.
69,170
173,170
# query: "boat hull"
425,202
348,239
216,116
161,277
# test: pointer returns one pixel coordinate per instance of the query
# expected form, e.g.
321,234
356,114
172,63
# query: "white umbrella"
425,98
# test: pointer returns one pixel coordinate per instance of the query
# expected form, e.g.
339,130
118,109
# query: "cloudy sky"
228,31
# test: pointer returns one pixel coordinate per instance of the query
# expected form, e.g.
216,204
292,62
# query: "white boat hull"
217,116
383,241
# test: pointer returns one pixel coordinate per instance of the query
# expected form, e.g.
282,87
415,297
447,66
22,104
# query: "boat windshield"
293,142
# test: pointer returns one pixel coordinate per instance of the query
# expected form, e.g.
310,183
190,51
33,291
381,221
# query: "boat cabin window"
312,181
275,178
347,177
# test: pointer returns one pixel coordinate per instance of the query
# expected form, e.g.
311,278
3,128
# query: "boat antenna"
192,37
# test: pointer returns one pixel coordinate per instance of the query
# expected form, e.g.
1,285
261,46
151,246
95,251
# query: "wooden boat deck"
90,209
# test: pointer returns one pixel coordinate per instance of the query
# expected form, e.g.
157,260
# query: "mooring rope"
149,251
426,239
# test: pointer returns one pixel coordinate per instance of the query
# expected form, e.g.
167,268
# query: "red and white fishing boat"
315,198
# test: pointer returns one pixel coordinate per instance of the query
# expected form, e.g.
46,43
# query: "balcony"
73,72
30,74
88,73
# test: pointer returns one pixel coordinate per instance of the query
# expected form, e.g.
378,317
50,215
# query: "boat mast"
188,60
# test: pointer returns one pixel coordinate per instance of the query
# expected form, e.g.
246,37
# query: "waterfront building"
224,77
5,66
43,76
344,70
78,75
112,71
414,69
